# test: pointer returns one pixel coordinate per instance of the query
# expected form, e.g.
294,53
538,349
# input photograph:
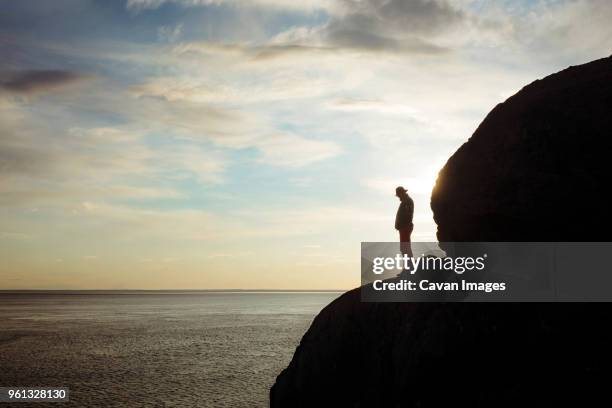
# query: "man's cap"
400,190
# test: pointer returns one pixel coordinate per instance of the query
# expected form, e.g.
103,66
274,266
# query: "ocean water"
205,349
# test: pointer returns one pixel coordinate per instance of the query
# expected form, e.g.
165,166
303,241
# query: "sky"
209,144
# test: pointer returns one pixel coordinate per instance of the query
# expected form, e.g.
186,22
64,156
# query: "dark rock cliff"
536,169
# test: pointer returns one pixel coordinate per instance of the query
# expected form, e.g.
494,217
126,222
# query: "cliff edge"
536,169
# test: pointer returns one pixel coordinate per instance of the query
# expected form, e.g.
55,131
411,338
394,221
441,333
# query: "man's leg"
405,240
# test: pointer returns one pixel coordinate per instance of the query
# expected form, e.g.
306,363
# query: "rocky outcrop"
535,169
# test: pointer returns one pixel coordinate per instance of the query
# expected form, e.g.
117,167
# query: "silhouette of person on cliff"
403,219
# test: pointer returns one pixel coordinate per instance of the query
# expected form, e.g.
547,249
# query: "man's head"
401,192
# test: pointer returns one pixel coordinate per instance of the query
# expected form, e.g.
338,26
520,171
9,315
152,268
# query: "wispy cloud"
395,25
34,81
308,5
295,151
170,34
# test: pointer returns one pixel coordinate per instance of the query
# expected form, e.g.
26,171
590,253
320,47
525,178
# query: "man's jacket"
405,211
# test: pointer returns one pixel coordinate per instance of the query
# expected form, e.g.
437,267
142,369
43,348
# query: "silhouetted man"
403,219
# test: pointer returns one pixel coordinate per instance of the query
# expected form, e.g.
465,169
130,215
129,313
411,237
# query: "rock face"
536,169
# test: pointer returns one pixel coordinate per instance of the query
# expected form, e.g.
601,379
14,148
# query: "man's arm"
398,217
410,210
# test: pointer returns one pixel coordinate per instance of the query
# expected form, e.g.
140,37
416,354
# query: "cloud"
33,81
283,46
22,159
50,163
201,111
392,25
556,31
258,87
295,151
369,41
308,5
416,16
170,34
397,26
371,105
427,27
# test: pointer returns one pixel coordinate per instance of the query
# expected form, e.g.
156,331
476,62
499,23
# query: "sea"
153,348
